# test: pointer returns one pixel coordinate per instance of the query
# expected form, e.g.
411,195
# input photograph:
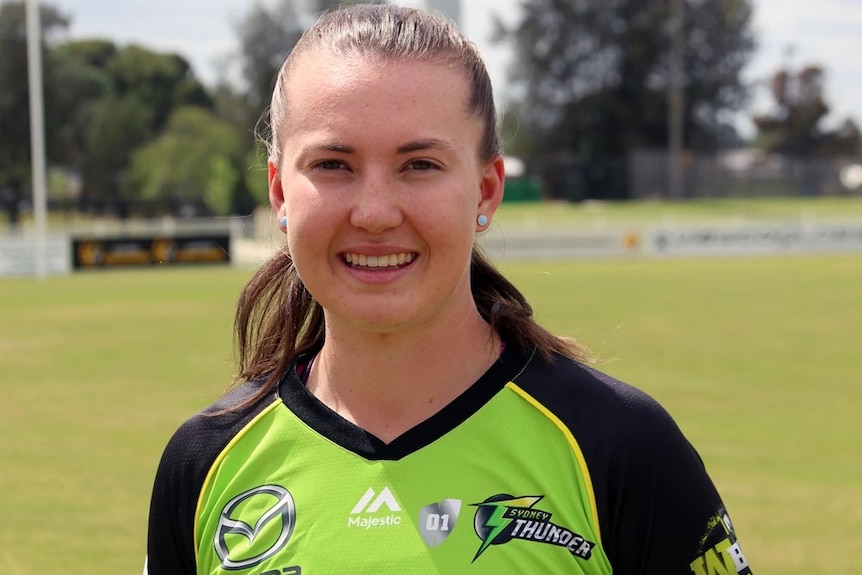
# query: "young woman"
398,410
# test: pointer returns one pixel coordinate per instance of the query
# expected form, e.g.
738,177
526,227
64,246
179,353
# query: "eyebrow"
423,144
334,147
413,146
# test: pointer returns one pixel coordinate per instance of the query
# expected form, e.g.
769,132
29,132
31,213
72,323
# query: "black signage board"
111,252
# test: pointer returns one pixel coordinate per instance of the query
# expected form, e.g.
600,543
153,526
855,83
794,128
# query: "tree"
15,166
267,35
795,127
116,126
193,163
163,81
81,69
590,83
123,100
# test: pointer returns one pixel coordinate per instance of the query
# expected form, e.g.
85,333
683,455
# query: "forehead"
324,90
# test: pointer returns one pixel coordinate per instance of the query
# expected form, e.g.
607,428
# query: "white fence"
19,253
20,256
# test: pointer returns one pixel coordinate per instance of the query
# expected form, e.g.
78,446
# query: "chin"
375,321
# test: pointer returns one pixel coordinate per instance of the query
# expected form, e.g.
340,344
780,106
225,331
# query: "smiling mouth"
390,261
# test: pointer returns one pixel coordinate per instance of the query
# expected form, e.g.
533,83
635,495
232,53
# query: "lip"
377,263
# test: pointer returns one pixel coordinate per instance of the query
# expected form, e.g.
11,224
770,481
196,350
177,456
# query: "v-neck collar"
317,415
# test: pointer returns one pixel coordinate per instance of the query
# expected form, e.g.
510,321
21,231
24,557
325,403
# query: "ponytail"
276,321
507,310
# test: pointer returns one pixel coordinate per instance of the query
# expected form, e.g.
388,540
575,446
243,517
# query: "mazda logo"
252,523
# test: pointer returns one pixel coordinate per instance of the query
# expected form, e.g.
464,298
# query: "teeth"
390,261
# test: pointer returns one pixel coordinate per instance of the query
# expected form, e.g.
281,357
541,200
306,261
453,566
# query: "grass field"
637,215
758,359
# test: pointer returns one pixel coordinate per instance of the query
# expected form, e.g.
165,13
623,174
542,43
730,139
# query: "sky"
788,32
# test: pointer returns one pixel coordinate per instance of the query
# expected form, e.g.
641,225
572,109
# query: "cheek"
453,215
306,229
307,220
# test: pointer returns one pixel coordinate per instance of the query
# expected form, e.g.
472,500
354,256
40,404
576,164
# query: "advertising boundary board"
156,250
560,244
760,239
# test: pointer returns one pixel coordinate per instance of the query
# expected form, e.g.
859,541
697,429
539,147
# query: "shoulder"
186,460
587,399
659,510
619,428
199,440
654,498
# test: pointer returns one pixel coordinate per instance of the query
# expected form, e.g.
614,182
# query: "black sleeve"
663,514
659,511
170,535
180,476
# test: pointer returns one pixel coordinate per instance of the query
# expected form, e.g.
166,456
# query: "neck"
388,383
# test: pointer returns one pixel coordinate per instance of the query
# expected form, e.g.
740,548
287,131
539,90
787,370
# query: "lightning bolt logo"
493,511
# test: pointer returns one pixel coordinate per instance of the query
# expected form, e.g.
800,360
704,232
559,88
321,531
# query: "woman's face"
381,182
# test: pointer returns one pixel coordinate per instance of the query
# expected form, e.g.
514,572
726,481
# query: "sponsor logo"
90,253
436,521
254,526
368,512
164,250
722,554
502,518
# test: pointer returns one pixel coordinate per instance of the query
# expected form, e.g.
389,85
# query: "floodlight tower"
37,130
449,8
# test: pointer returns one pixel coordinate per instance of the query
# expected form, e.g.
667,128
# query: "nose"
376,207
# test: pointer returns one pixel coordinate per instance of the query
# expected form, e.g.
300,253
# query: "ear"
276,192
491,186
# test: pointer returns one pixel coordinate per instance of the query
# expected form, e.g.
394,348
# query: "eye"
422,165
329,165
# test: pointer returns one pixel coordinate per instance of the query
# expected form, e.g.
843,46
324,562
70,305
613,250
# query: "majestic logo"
501,518
272,511
367,511
436,521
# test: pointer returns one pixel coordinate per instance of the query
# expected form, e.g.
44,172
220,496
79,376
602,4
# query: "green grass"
757,359
637,215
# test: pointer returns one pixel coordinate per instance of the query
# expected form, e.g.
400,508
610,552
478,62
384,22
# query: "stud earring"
283,223
482,220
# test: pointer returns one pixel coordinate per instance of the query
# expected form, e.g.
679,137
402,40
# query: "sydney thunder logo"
502,518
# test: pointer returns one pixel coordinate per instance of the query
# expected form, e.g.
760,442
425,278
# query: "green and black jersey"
537,468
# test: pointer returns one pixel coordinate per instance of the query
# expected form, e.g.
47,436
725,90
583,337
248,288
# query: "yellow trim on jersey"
236,438
573,443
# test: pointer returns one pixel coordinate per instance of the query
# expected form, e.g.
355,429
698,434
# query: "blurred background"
684,196
150,109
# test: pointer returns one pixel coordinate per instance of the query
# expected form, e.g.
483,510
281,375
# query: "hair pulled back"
277,319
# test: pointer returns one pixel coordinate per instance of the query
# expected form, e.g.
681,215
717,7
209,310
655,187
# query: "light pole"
37,133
